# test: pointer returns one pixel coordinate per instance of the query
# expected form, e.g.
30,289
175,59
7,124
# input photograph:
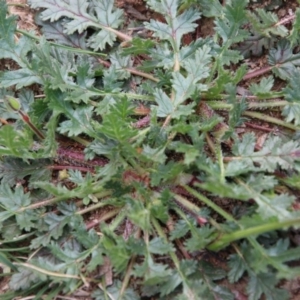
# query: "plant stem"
172,254
142,74
118,219
27,120
46,272
209,203
251,105
127,277
208,97
219,154
109,215
80,140
262,105
186,204
259,72
164,237
220,243
226,239
270,119
91,208
210,144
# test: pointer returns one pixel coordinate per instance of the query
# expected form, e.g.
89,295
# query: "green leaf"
165,105
211,8
81,15
159,207
225,189
294,34
14,202
235,113
184,88
291,93
5,261
107,17
197,66
25,278
265,284
162,56
263,88
55,225
13,169
180,230
115,291
156,154
153,273
255,45
158,246
209,273
237,268
79,119
120,63
116,248
266,23
139,214
170,285
9,49
275,152
176,26
229,26
7,25
55,31
165,172
86,238
278,206
15,143
190,151
200,238
293,181
116,124
283,60
74,126
20,78
228,56
138,46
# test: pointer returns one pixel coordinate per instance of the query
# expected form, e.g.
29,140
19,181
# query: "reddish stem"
145,121
78,156
259,72
259,127
27,120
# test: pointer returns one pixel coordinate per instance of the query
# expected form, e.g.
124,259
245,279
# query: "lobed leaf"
80,14
266,23
229,26
177,25
291,93
283,60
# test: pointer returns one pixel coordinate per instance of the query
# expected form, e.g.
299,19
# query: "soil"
137,12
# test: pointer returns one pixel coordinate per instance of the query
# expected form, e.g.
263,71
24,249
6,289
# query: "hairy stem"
221,105
226,239
270,119
209,203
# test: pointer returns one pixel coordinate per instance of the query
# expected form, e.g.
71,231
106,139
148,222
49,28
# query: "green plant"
158,156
